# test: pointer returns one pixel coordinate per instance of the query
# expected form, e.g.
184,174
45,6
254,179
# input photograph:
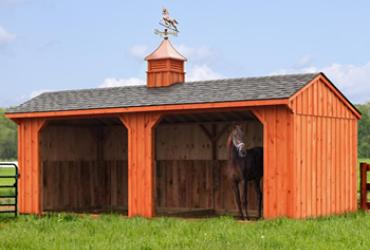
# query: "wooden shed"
160,148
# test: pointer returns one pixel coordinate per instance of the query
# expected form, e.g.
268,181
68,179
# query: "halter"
240,146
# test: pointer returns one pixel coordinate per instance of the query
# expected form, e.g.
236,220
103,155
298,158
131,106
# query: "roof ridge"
257,77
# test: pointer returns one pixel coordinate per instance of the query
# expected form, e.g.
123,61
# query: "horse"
168,21
243,166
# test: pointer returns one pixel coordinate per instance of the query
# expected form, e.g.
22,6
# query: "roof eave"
156,108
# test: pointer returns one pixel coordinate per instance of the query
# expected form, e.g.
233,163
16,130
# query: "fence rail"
9,201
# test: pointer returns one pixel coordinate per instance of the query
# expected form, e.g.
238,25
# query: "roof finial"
170,25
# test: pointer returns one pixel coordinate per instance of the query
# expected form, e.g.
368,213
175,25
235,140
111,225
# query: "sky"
50,45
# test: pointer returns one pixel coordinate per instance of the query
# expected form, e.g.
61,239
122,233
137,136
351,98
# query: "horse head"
237,136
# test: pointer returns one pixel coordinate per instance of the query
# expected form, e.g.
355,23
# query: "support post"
365,187
141,168
30,169
214,137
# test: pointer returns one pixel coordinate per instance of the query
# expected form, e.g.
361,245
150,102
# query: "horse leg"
237,198
259,196
246,198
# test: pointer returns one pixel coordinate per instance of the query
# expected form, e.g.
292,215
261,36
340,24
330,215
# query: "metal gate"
9,189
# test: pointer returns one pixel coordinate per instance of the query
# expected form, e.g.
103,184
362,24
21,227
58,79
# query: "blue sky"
53,45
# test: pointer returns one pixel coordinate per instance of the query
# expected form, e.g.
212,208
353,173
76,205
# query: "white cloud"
114,82
352,80
196,73
201,73
5,36
139,51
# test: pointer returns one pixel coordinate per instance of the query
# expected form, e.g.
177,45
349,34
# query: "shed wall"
325,143
278,160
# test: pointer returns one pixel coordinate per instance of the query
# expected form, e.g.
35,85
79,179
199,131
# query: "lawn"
66,231
112,231
364,160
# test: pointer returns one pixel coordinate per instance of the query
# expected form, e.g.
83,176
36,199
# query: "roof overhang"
160,108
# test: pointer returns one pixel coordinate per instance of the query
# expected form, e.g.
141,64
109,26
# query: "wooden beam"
207,132
222,132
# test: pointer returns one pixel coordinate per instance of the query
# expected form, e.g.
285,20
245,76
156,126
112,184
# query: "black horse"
243,166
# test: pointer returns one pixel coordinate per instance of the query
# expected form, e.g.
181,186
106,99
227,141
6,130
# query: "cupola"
165,66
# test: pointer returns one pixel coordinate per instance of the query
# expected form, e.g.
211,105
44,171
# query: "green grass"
364,160
70,231
66,231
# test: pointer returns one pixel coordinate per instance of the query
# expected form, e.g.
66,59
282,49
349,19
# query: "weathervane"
170,25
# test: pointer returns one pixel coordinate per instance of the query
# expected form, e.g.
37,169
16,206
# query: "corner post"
30,169
141,180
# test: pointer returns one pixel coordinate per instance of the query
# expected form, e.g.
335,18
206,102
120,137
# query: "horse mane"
229,145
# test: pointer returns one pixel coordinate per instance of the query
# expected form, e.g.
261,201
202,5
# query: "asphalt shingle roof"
225,90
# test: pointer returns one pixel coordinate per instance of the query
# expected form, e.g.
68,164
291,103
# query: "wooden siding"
318,99
325,143
278,160
141,168
197,184
326,163
84,185
30,198
76,143
189,142
165,72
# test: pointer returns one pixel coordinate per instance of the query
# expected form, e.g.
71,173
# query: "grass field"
112,231
364,160
62,231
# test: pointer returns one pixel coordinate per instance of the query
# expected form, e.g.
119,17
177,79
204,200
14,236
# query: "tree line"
8,135
8,138
364,131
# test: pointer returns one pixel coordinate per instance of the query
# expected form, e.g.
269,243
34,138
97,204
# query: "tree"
364,131
8,138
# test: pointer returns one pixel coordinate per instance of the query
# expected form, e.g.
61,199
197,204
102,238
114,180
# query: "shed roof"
225,90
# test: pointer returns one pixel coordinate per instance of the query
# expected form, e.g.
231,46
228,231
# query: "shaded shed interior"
191,158
84,165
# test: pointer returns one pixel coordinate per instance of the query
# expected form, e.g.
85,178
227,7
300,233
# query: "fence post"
363,189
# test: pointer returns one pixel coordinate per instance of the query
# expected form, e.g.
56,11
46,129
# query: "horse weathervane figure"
169,23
